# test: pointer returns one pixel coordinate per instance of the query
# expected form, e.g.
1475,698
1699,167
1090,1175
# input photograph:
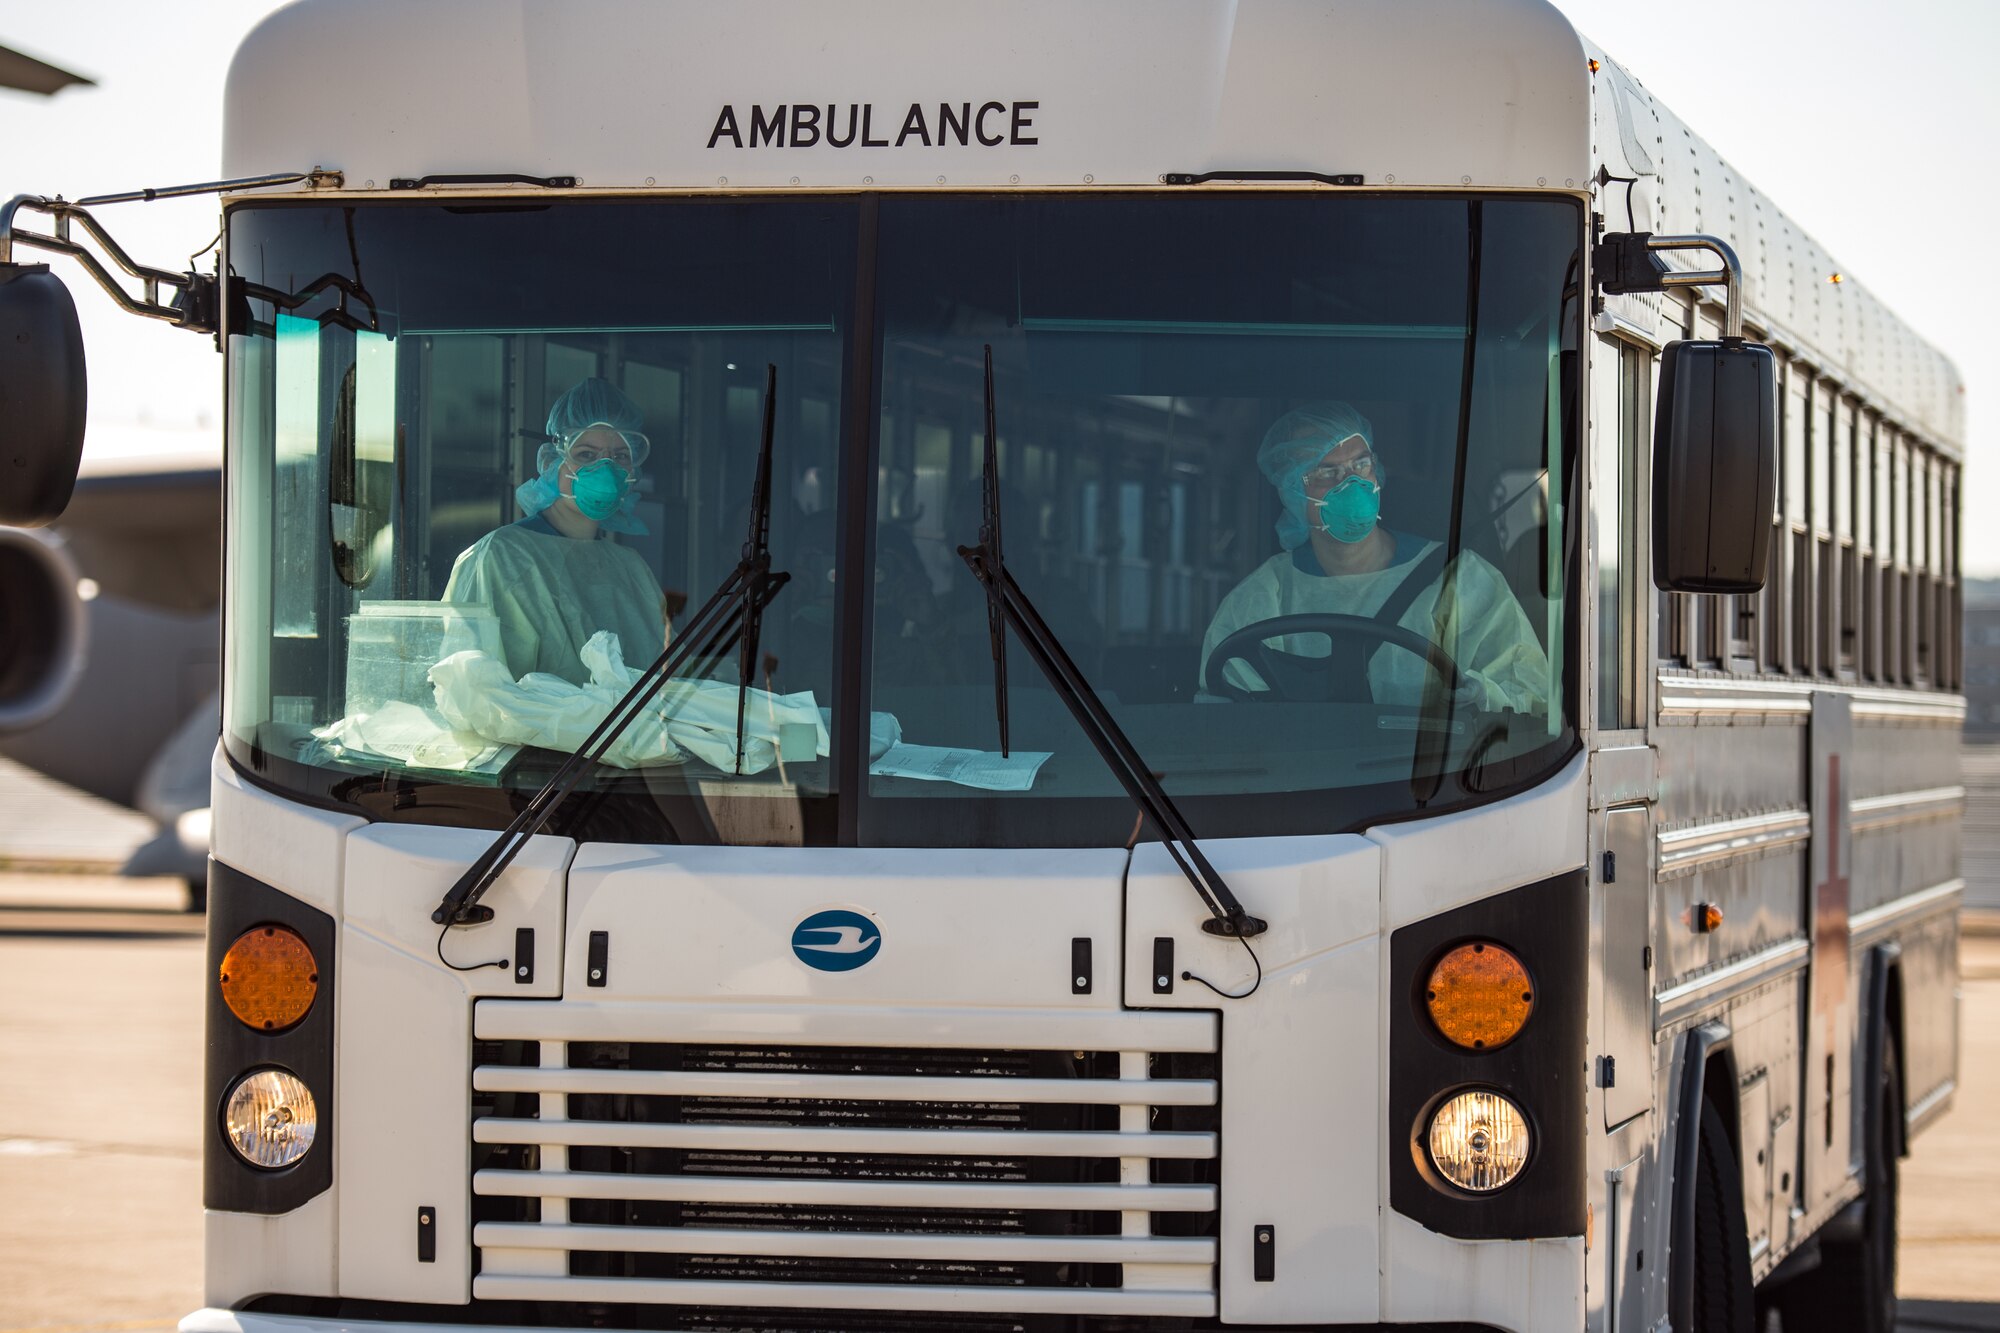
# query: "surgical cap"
593,403
1294,445
590,403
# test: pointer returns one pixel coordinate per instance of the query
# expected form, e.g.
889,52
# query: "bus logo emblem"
836,941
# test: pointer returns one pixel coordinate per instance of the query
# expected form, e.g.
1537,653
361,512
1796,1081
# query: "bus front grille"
726,1172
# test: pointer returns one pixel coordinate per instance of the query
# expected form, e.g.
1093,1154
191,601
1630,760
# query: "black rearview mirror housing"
1715,466
42,395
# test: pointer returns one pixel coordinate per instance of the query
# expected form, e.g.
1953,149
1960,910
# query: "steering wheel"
1298,679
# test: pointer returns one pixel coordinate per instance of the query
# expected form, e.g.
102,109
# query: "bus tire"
1722,1286
1854,1286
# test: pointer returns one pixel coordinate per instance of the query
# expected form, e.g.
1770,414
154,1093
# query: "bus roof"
914,93
1791,294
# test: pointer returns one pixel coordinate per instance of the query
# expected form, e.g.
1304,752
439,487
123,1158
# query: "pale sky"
1870,124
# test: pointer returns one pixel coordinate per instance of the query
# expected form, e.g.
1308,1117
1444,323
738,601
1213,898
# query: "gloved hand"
1470,694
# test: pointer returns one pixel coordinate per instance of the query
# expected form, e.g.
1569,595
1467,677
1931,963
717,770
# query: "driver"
1339,558
555,577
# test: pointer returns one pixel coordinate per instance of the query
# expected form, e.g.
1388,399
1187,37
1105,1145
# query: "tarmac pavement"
100,1105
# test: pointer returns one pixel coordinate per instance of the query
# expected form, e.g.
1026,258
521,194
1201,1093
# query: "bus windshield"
1288,474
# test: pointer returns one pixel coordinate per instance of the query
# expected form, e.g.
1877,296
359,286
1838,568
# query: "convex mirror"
1715,465
41,395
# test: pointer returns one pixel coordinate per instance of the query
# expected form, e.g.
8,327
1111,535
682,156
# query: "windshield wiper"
1007,605
733,614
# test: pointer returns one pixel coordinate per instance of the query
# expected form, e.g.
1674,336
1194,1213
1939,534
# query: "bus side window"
1868,614
1621,451
1793,408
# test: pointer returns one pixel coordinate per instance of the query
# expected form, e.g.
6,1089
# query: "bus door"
1624,779
1830,1043
1624,784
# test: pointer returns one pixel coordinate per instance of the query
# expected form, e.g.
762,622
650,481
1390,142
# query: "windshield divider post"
1427,764
989,540
760,584
862,356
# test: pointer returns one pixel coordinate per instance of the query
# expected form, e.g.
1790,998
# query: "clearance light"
269,978
270,1119
1479,996
1478,1141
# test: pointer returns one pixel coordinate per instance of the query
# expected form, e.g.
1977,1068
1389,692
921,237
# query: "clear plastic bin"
391,647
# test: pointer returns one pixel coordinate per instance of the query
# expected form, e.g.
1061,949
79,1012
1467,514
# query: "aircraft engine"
43,627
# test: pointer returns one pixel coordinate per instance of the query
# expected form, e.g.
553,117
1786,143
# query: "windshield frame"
654,807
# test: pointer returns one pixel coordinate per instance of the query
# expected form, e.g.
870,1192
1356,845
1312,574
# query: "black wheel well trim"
1703,1046
1885,1020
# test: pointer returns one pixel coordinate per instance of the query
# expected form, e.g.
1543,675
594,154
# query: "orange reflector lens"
1479,996
269,978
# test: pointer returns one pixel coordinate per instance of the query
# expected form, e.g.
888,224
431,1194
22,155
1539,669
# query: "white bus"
1451,845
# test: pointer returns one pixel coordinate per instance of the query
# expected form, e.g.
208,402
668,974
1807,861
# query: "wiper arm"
733,613
1008,605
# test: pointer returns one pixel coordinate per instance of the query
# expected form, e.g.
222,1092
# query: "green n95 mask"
1348,512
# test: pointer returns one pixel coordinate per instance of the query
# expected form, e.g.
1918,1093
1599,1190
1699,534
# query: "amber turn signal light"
269,978
1479,996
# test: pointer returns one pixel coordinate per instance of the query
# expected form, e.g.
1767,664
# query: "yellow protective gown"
1490,637
550,593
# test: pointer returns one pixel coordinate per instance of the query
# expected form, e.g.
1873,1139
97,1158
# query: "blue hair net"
597,402
588,404
1294,445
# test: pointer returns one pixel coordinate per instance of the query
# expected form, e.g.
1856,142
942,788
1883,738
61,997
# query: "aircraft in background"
29,75
108,670
109,624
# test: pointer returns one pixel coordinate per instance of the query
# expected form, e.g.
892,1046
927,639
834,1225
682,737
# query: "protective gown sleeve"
1255,599
550,594
1484,628
476,576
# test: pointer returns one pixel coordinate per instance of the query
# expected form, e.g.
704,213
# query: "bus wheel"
1722,1287
1854,1286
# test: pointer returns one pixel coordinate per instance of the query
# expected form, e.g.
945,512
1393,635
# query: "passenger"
555,577
1339,558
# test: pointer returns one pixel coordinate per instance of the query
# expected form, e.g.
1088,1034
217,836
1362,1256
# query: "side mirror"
1715,466
41,395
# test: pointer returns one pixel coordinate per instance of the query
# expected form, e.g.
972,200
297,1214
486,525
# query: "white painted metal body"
642,99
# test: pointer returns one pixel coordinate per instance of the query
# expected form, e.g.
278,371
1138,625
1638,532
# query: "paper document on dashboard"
985,769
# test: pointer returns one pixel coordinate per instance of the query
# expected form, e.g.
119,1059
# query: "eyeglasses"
599,441
1331,472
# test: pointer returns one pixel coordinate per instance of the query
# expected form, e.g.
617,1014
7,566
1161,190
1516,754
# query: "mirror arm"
1629,262
192,304
1730,275
148,305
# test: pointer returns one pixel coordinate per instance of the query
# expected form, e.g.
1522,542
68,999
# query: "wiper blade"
732,614
1008,605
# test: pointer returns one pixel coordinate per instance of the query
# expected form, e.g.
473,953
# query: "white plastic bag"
413,737
682,718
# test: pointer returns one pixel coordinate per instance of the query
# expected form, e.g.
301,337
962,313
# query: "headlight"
1479,996
269,978
270,1119
1478,1141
